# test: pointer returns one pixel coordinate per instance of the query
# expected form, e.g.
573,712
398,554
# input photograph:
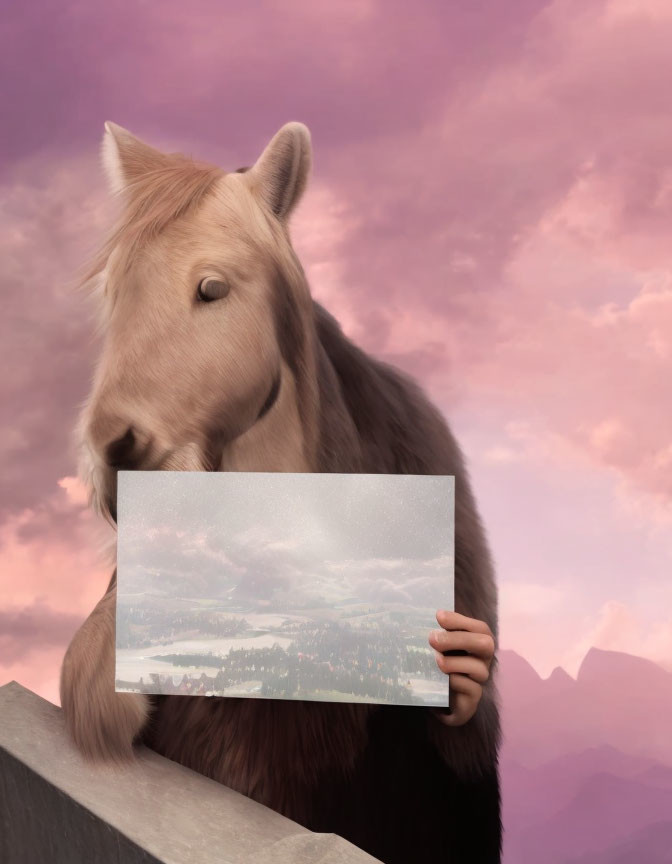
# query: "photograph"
319,587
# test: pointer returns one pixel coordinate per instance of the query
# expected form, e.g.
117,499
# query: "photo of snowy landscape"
288,586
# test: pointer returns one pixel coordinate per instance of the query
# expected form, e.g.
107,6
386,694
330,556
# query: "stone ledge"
57,808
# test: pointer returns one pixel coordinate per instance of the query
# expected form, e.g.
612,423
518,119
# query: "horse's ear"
126,158
280,174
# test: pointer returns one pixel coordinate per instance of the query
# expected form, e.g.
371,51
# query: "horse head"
206,360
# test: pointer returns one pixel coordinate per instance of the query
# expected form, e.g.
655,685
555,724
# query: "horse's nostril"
119,453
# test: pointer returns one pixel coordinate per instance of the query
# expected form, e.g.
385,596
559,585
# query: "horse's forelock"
153,202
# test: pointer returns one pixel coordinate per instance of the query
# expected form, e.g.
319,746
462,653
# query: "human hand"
472,648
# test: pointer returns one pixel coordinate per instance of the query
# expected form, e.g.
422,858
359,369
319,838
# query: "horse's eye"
212,289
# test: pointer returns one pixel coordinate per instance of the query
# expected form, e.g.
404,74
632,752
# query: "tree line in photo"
332,657
141,627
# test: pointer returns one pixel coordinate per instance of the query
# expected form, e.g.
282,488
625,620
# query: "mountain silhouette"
586,764
616,699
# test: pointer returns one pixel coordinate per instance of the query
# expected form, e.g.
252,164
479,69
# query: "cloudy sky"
288,540
491,209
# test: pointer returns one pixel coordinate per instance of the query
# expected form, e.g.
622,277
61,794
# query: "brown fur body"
393,780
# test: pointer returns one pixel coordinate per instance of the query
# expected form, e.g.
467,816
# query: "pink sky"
490,209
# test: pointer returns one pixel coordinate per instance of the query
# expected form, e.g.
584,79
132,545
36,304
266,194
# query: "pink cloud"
39,671
621,628
548,182
55,569
54,553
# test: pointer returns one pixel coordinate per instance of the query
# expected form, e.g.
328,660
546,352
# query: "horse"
216,357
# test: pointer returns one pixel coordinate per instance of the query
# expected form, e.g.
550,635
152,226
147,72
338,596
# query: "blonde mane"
157,198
